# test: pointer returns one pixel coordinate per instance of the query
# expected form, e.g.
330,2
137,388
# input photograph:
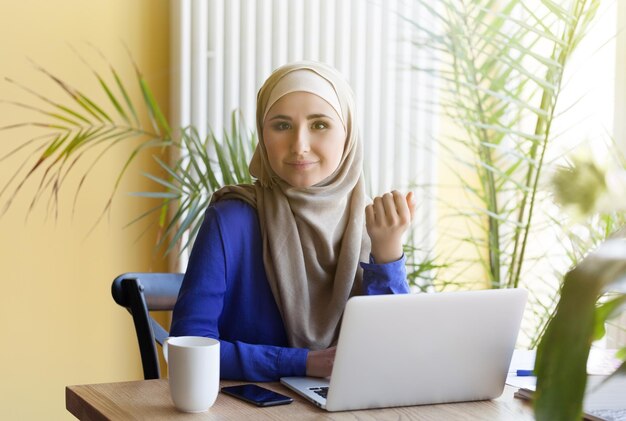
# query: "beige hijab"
313,238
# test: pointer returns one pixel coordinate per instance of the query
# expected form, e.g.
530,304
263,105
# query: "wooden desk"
150,400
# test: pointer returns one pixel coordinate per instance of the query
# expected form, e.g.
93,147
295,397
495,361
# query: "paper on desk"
601,362
523,359
528,382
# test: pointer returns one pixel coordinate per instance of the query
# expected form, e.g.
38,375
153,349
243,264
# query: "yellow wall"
58,323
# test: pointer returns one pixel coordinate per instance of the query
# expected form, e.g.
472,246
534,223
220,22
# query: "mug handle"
165,347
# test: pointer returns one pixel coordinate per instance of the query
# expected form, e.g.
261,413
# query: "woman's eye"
282,125
319,125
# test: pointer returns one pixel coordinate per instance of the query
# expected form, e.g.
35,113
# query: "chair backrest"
140,293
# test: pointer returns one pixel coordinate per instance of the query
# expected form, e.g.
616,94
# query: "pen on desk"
525,373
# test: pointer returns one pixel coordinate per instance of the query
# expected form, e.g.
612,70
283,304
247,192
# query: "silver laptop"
417,349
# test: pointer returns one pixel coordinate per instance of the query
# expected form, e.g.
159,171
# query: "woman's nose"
301,141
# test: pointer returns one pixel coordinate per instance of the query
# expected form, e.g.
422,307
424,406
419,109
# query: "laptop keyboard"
322,391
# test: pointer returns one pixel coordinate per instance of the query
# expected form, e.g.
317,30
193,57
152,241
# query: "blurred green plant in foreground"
593,292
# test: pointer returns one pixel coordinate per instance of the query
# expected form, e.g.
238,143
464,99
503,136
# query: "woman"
275,262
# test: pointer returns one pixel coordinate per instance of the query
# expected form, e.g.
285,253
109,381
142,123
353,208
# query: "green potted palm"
500,67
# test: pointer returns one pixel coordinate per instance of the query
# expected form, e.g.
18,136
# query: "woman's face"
304,138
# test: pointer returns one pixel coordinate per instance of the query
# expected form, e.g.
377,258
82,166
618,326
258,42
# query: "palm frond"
194,176
80,127
501,77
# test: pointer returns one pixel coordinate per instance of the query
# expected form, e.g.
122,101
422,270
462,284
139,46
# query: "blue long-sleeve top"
225,295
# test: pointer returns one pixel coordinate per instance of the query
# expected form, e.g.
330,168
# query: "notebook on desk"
416,349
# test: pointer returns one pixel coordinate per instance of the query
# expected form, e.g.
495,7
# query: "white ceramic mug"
193,366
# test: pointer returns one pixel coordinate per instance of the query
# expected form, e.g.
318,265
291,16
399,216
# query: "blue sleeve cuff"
385,278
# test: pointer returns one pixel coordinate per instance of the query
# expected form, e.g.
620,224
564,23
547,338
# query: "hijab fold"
314,237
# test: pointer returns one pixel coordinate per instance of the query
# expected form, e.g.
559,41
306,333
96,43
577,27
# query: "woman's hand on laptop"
387,218
320,363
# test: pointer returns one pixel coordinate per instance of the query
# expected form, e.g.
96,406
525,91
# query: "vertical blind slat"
247,80
199,71
295,31
180,64
311,29
232,67
327,32
357,63
279,33
215,87
372,95
403,100
342,36
263,40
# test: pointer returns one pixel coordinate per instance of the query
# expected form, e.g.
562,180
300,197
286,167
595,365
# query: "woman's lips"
302,165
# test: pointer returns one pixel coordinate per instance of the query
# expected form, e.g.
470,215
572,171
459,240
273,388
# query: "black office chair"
140,293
